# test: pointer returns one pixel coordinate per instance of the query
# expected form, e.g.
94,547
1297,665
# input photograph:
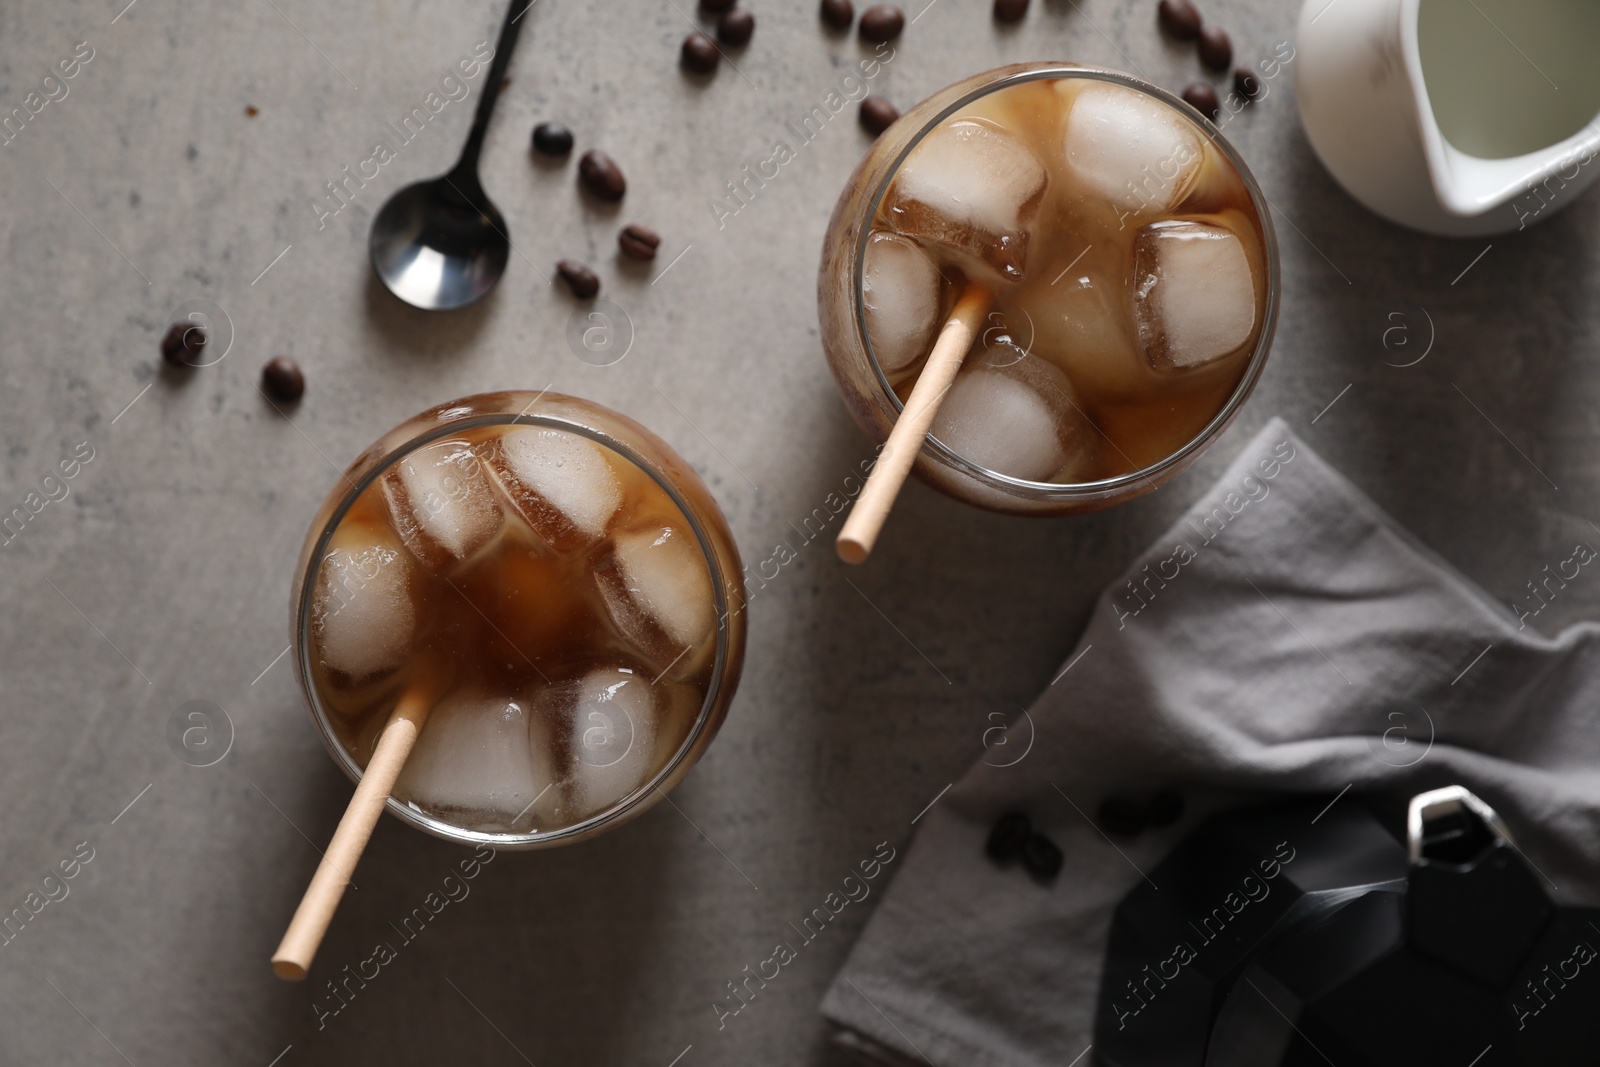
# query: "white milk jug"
1457,117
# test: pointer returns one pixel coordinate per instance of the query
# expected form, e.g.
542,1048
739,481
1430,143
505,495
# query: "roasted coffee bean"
838,13
1203,98
735,27
715,6
1216,48
283,380
1011,831
583,282
699,54
1164,809
601,175
1041,856
1122,816
1010,10
881,22
638,242
183,344
1180,18
251,111
1245,83
552,139
877,114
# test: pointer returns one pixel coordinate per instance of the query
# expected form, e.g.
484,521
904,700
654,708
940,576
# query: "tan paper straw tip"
851,550
288,970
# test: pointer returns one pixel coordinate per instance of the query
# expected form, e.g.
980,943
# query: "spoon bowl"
438,248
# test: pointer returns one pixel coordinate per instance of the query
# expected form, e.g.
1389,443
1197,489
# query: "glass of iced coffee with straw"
517,622
1108,256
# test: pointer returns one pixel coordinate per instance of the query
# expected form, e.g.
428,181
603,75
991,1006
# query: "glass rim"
443,828
1067,491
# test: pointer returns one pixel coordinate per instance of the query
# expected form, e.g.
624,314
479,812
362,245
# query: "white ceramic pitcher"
1456,117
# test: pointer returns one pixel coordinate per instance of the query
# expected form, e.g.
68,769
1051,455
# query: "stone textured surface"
163,577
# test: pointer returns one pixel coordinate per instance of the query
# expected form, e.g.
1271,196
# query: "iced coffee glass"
562,583
1134,278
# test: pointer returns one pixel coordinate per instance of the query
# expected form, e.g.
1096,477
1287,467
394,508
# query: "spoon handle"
467,165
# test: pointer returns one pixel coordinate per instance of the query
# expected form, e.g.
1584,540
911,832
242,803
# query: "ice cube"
614,720
900,286
477,765
443,504
1081,320
973,187
561,482
658,590
1194,294
1130,149
1016,414
362,615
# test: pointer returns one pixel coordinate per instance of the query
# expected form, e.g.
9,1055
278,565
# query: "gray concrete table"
159,573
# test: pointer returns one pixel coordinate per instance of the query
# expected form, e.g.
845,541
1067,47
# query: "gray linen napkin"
1284,636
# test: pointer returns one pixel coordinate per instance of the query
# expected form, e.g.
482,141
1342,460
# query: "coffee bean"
601,175
1203,98
183,344
552,139
699,54
735,27
881,22
1010,10
1216,48
1180,18
638,242
1041,856
251,111
283,380
877,114
1010,833
838,13
1164,809
1245,83
715,6
583,282
1122,816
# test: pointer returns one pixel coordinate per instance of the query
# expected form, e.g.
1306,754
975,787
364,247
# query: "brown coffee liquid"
1074,306
552,594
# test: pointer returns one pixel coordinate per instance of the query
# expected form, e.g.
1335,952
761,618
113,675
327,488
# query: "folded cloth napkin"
1284,636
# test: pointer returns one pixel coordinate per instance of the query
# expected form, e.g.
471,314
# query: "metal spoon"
442,244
